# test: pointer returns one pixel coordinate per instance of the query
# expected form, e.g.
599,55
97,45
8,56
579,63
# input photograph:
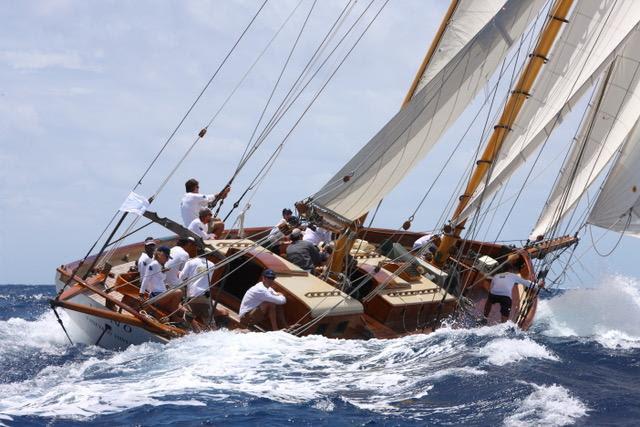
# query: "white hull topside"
110,334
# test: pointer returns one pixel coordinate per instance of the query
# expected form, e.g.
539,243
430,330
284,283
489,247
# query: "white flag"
135,203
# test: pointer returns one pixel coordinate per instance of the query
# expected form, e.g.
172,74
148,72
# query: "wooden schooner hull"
391,303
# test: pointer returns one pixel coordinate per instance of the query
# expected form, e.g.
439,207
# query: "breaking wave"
547,406
608,314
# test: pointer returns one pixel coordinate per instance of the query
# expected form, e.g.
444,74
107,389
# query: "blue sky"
90,90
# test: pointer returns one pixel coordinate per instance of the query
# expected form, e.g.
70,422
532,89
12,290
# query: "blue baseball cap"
269,273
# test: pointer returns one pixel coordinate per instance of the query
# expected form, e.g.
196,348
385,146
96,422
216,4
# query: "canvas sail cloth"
382,163
612,115
617,207
467,20
596,31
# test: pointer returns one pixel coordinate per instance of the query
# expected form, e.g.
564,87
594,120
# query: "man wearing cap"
146,256
153,281
303,253
200,225
261,301
179,256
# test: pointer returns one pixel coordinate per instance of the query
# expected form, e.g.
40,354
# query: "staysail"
382,163
596,31
466,20
617,207
611,117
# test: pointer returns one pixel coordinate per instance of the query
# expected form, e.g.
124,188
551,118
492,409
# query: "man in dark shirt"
303,253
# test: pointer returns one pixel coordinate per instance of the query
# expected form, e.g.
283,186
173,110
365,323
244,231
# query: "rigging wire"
270,161
204,89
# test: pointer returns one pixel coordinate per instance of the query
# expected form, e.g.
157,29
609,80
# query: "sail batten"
596,32
382,163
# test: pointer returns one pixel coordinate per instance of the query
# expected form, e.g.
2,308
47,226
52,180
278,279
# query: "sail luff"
514,104
430,52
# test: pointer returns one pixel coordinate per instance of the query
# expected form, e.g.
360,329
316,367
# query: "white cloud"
36,60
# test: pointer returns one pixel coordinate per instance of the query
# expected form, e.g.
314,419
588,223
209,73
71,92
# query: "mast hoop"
559,18
539,56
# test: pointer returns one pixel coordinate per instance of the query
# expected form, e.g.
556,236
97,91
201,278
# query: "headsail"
463,21
382,163
617,207
613,113
596,31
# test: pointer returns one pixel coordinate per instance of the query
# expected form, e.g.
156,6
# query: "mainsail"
467,19
612,115
596,32
617,207
382,163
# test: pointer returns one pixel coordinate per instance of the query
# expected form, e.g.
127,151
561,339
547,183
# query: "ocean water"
580,365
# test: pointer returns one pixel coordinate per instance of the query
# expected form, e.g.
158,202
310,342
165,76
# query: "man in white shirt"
193,201
178,257
197,272
428,244
501,290
261,301
146,257
276,236
153,281
315,234
200,225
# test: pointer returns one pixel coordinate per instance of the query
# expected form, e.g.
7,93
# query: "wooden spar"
158,327
345,241
434,45
100,312
512,108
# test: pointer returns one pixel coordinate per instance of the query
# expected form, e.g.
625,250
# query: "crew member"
192,202
276,236
153,281
303,253
316,235
197,272
261,301
179,256
501,289
200,225
146,257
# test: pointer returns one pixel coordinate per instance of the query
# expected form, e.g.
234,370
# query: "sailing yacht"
374,285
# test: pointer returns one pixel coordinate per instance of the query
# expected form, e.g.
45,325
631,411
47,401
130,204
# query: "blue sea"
580,365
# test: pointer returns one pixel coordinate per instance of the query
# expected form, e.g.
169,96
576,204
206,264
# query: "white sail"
617,207
612,115
467,19
596,31
382,163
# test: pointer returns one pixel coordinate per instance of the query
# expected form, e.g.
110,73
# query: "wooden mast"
512,108
347,237
434,45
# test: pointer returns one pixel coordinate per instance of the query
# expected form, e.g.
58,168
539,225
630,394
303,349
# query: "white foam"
372,374
44,334
609,314
503,351
551,405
